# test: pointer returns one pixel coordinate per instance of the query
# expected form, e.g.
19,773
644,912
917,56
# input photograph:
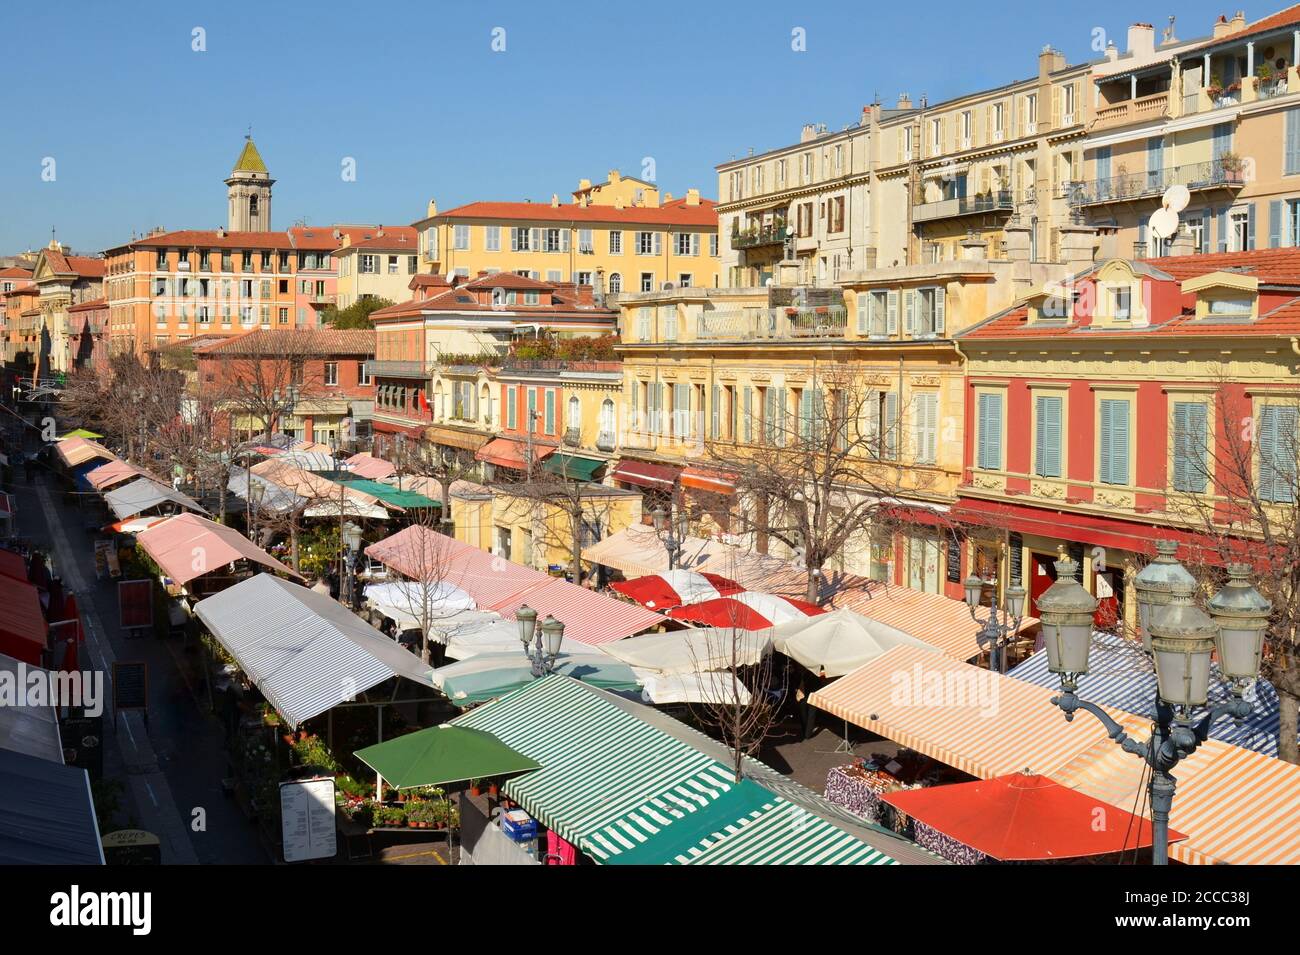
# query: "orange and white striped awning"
1236,806
708,479
978,721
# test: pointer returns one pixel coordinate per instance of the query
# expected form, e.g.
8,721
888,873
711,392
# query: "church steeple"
249,191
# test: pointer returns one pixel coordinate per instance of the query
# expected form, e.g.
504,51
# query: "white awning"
411,604
142,494
304,651
714,687
692,651
839,642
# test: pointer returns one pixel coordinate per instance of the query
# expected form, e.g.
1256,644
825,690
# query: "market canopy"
142,494
308,460
441,755
573,467
134,525
366,465
749,610
487,676
474,632
682,652
638,550
611,781
512,453
675,588
47,815
839,642
29,729
305,651
75,451
274,498
716,686
81,433
412,604
105,476
386,492
22,621
188,546
325,498
495,583
1025,818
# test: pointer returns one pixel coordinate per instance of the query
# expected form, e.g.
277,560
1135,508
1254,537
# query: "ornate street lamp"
1154,582
994,634
542,652
352,540
1067,611
666,526
1182,639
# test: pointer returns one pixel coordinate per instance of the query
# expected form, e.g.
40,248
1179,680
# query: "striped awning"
453,438
1121,676
1237,807
638,550
614,785
645,474
709,479
981,722
75,451
512,453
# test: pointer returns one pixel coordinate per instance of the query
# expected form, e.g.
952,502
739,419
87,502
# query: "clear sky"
142,128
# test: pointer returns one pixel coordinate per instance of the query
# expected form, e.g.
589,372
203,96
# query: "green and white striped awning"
613,784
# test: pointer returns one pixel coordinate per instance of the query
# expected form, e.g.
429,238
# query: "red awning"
707,479
510,453
22,622
748,610
1108,532
673,588
644,474
1024,817
12,565
917,514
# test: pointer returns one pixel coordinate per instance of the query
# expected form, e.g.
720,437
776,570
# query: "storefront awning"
658,477
1113,533
572,466
638,550
707,479
387,492
454,438
305,651
47,815
22,622
511,453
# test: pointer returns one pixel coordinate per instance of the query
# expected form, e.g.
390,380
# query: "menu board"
135,604
307,819
130,684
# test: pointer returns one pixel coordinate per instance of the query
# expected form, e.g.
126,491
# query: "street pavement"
172,765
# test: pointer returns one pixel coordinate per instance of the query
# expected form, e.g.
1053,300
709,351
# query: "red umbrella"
674,588
748,610
1025,817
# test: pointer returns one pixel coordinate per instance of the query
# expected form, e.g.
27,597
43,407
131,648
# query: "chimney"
1049,61
808,132
380,231
433,208
1237,23
221,232
584,184
555,200
1141,40
614,177
1221,27
904,101
1112,51
668,197
692,197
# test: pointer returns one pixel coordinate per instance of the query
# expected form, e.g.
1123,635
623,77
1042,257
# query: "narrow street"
171,766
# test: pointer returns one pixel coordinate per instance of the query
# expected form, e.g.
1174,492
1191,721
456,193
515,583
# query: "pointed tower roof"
250,160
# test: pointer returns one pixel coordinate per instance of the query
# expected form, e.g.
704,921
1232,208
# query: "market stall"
491,675
144,494
47,815
683,652
675,588
836,643
187,547
748,610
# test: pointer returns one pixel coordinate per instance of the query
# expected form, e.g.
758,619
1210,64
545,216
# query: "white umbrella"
713,687
409,602
840,641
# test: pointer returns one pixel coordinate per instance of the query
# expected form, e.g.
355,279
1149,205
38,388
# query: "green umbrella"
443,754
489,675
80,433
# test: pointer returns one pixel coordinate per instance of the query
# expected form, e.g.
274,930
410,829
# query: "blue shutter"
1250,227
1292,153
891,425
1275,224
1190,446
805,413
1221,229
1047,437
982,431
1222,141
749,414
1103,163
1277,453
1114,442
995,431
1103,445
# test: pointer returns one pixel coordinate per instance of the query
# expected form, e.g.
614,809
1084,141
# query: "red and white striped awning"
675,588
749,610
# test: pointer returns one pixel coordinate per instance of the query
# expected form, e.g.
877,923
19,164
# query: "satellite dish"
1164,223
1176,198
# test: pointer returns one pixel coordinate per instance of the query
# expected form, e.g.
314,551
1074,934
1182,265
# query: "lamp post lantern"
1181,639
352,540
665,524
995,633
541,644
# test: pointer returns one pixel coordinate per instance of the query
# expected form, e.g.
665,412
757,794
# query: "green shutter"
714,411
1277,453
550,412
891,425
1114,465
749,414
512,410
1292,149
1190,447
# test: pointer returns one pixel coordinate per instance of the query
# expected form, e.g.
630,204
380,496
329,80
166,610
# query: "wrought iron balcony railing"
1219,173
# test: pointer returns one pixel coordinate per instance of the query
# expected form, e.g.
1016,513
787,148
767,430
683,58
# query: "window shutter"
1250,227
891,313
909,312
805,413
1292,142
1275,224
863,298
1277,453
891,425
1040,436
1221,227
714,411
695,243
564,240
1107,433
982,431
749,414
939,295
995,432
658,242
1190,448
1047,437
535,239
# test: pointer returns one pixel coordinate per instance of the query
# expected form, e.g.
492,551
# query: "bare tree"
428,593
1239,492
816,467
261,376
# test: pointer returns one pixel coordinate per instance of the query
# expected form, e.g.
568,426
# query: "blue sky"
143,129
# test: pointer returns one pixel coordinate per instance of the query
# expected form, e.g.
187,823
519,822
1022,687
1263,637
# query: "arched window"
485,403
607,416
575,412
437,400
615,283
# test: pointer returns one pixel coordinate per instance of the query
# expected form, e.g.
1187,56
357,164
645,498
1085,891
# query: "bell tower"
249,192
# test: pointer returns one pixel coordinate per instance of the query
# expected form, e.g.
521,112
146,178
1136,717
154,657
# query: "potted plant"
493,788
475,787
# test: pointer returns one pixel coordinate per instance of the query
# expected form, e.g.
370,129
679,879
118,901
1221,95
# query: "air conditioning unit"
668,286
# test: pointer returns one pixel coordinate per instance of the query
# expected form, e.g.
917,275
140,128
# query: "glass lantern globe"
552,636
1240,612
1182,641
1153,584
527,618
1066,611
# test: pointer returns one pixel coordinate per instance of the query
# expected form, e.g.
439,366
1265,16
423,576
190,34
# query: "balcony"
743,324
775,235
321,298
1001,201
399,369
606,441
572,437
1225,174
1144,109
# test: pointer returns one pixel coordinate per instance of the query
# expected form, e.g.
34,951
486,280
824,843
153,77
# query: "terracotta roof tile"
400,238
321,341
90,306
